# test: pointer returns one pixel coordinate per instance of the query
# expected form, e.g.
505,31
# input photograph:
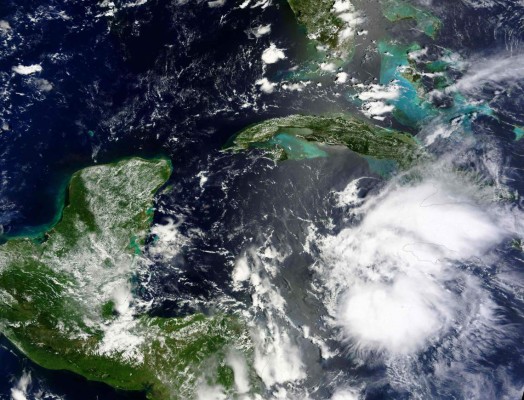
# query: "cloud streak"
495,69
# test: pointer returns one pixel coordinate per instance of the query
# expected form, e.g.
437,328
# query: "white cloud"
241,271
497,69
27,69
202,178
169,241
341,6
261,30
346,12
44,85
345,394
272,54
380,92
240,371
374,108
122,298
265,85
342,77
375,99
349,196
296,86
388,274
206,392
19,392
277,359
398,316
121,335
216,3
4,26
329,67
438,131
417,55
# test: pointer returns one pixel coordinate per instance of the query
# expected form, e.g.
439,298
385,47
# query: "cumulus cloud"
120,336
4,26
379,92
296,86
277,358
241,271
19,392
43,85
265,85
375,98
351,18
27,69
342,77
328,67
169,241
377,108
272,54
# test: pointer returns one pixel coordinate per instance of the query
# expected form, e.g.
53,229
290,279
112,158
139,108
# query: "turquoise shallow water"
410,110
297,148
412,107
384,168
396,10
519,132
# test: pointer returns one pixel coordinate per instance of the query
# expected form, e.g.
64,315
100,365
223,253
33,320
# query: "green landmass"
359,136
66,297
323,23
326,20
397,10
331,26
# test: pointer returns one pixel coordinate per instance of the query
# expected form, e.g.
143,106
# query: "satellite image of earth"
261,199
